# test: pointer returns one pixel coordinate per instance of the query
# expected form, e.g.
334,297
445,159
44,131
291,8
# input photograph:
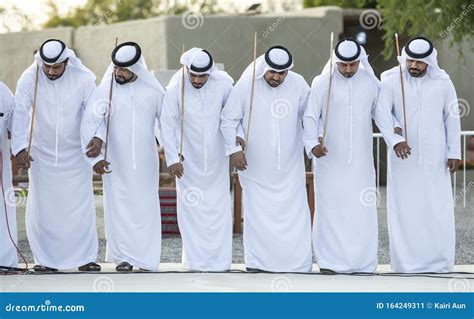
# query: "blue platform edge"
237,305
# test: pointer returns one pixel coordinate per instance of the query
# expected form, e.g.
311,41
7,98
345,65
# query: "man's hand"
319,151
402,150
176,170
398,130
24,159
240,141
453,164
239,161
94,147
102,167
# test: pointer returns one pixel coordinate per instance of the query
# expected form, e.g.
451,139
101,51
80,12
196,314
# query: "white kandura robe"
132,212
204,209
8,252
277,226
345,228
60,212
419,195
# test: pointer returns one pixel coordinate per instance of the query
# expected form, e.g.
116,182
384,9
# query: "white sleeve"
452,122
170,121
312,119
8,100
21,114
93,124
231,118
159,105
240,128
383,116
306,90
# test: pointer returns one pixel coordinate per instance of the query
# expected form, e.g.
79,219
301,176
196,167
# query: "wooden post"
237,204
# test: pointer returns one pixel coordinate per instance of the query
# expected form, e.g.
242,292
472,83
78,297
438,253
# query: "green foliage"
435,19
111,11
340,3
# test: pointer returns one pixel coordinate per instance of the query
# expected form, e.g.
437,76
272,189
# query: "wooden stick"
403,90
32,124
181,141
252,91
109,110
328,98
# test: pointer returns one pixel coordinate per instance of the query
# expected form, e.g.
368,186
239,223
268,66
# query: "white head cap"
53,51
420,49
349,50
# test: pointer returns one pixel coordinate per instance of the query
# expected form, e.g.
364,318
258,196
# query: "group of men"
262,124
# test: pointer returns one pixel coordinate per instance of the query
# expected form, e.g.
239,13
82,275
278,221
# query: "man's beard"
197,85
348,75
274,84
121,80
416,72
54,77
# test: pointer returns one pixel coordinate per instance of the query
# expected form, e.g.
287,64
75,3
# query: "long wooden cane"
7,221
403,90
181,141
109,110
328,98
252,91
33,112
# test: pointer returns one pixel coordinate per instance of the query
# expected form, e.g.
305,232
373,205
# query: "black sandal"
124,267
327,271
90,267
254,270
40,268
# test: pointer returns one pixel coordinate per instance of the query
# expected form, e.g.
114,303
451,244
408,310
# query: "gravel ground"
171,245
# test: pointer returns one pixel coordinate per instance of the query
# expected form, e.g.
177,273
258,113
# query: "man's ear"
66,61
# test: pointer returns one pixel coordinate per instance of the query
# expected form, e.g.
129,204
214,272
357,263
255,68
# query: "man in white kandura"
131,201
420,204
8,230
277,226
60,212
345,228
204,211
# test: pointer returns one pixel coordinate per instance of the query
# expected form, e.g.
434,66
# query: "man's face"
55,71
123,75
275,78
416,68
348,69
198,80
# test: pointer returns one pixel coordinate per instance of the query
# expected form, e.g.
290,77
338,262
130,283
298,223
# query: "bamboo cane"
252,91
328,98
405,133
